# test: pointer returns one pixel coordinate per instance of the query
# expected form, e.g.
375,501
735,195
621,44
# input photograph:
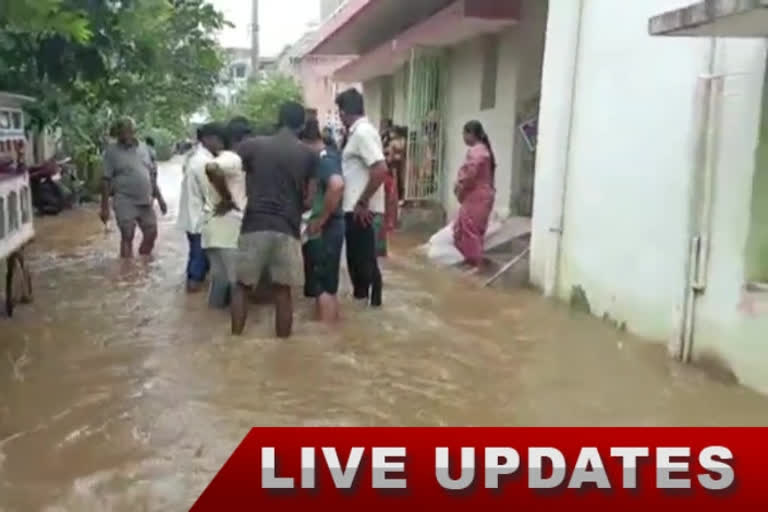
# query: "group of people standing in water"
276,210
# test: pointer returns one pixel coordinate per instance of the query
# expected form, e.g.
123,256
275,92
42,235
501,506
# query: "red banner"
624,469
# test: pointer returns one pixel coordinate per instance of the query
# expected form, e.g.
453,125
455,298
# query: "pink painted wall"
316,78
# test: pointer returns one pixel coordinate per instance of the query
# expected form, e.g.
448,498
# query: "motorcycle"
55,186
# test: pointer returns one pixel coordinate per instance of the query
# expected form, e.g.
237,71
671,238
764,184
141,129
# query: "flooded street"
118,392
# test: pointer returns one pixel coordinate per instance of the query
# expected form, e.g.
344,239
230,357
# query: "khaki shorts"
128,215
270,253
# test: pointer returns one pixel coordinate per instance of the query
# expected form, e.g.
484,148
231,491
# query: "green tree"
89,61
260,100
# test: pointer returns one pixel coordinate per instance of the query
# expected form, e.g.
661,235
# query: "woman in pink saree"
475,191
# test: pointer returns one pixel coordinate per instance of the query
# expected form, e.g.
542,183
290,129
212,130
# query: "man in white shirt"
225,204
192,202
365,170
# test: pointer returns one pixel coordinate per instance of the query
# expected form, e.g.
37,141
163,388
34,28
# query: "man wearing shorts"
278,169
325,230
130,178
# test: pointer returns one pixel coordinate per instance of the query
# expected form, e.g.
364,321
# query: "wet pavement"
118,392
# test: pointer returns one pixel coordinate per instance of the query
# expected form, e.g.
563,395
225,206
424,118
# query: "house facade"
433,65
238,71
315,75
651,191
647,173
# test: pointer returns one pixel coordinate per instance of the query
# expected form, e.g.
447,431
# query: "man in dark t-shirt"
278,169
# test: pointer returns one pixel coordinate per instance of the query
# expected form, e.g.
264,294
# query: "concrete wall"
731,323
630,179
373,95
318,86
519,75
400,85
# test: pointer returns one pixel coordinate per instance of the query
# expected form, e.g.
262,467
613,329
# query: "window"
26,212
16,121
757,244
239,70
490,72
13,212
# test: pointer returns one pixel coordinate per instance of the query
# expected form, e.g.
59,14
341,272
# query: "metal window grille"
26,208
425,124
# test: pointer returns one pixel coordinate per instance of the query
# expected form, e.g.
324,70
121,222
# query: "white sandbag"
441,249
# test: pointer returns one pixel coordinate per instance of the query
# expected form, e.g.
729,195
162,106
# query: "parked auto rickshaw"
16,213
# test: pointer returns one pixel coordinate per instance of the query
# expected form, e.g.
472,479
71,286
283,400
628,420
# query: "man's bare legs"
283,311
127,233
239,308
149,237
327,309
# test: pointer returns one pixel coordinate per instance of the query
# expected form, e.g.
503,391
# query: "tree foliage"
89,61
260,100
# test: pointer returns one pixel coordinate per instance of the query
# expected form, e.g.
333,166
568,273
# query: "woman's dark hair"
475,128
351,102
311,131
401,131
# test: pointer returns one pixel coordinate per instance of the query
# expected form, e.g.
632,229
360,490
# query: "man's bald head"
125,131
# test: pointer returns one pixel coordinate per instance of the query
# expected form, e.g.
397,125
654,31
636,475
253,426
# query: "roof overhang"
11,100
452,25
359,26
719,18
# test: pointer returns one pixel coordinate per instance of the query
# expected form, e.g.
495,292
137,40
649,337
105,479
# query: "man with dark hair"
238,129
365,170
130,180
278,169
211,139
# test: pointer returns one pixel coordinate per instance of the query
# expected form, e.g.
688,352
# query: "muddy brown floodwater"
120,393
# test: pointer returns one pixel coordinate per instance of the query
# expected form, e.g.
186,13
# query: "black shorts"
322,260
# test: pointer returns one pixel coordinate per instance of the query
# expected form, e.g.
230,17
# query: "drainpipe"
701,202
564,22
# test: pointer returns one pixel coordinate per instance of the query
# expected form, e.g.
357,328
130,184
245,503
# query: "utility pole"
255,58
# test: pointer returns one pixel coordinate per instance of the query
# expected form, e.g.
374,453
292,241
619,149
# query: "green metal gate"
425,125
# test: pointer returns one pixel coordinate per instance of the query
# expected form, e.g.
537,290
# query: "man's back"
277,169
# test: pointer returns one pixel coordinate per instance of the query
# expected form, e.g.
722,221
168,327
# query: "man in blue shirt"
326,228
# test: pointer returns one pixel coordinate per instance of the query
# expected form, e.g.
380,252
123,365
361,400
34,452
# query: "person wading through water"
130,179
192,203
278,169
325,229
365,171
224,206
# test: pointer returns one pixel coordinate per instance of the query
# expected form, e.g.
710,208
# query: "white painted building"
460,60
651,172
651,196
